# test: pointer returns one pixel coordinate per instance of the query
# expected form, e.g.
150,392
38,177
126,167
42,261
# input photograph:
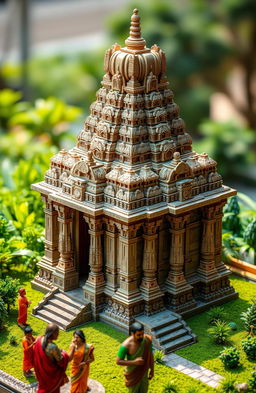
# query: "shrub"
216,314
250,234
158,356
9,291
228,385
33,237
249,317
252,381
249,347
220,332
3,313
13,341
170,387
231,220
230,357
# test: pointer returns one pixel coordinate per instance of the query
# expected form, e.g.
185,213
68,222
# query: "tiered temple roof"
133,151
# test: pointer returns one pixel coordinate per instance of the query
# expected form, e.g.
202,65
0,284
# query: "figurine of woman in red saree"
80,364
50,362
23,304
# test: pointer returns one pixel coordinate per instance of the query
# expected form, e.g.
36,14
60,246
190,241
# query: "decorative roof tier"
133,150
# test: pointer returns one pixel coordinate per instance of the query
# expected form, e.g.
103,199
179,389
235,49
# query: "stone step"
56,311
70,302
168,329
63,306
160,320
178,343
49,317
172,336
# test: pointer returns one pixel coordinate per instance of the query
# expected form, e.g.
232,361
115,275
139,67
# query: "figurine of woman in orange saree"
23,304
80,364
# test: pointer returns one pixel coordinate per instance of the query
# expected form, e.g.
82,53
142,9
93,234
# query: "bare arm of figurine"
136,362
71,351
151,366
91,357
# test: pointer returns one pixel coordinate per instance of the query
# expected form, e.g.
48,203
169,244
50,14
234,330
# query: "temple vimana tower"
133,215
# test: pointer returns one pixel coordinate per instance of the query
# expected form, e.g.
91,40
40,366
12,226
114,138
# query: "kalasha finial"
135,41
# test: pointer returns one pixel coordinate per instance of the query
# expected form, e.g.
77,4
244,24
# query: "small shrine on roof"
133,215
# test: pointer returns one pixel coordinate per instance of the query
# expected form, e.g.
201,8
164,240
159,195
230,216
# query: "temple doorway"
82,245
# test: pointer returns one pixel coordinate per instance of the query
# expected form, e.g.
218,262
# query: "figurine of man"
136,354
27,344
23,304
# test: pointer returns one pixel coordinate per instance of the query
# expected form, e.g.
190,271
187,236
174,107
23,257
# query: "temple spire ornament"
133,214
135,41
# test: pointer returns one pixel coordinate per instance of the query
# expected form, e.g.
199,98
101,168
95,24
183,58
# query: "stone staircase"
168,330
67,309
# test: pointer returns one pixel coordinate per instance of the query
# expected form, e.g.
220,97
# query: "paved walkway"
193,370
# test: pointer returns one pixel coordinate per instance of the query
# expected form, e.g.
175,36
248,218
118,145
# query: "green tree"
204,41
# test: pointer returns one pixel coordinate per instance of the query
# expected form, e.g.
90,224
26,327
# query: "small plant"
216,314
159,356
249,317
170,387
230,357
228,385
3,314
252,381
193,390
13,341
220,332
249,347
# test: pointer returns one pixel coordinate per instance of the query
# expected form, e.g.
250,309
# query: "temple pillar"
208,274
178,290
149,288
163,252
220,266
127,300
111,236
65,275
43,280
94,286
218,239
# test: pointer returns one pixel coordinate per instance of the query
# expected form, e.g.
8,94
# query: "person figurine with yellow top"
136,354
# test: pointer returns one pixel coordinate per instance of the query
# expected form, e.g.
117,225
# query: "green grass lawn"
205,352
107,340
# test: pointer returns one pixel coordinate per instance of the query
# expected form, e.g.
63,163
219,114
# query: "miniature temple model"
133,216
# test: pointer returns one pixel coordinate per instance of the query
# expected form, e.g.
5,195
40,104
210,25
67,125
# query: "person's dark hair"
136,327
49,331
80,334
27,330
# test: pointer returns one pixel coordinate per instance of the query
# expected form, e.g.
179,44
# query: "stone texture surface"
193,370
95,387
